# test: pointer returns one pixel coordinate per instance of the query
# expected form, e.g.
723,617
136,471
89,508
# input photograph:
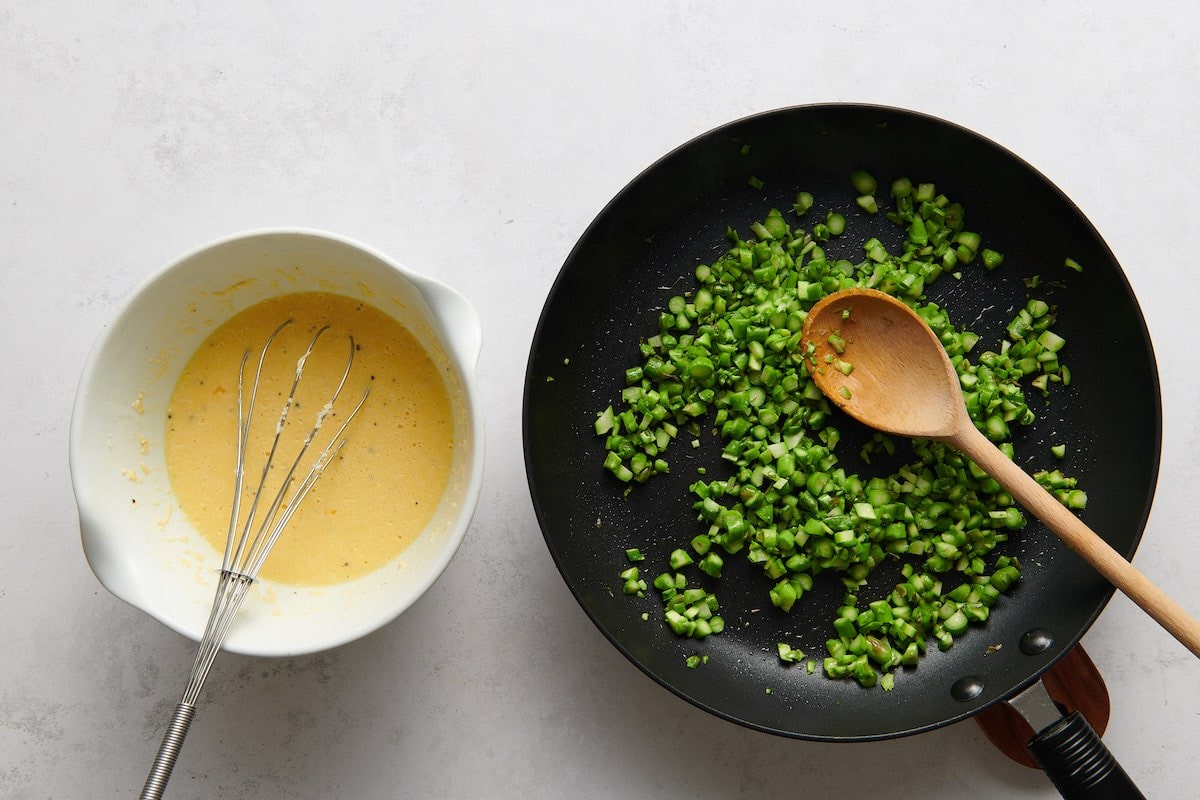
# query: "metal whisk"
247,548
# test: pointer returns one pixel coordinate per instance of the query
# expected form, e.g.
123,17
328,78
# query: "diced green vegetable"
991,259
788,654
726,356
680,559
863,182
836,223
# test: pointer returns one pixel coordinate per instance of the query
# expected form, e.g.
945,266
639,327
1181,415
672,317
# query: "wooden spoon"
902,382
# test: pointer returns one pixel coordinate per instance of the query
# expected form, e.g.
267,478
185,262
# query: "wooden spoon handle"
1079,537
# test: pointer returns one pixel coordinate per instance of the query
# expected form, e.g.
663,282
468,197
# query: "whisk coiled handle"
168,751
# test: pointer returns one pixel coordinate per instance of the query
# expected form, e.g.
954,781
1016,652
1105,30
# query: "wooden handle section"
1079,537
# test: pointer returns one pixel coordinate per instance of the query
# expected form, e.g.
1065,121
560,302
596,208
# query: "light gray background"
474,142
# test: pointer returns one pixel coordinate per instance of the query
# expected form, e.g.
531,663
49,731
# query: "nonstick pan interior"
643,247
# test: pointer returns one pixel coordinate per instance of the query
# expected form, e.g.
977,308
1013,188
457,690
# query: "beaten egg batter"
378,493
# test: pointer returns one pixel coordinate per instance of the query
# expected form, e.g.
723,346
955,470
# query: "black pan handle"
1078,763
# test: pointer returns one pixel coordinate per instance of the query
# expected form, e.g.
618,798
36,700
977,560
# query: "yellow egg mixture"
384,486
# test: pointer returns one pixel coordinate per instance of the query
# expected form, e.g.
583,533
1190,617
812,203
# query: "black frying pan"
643,248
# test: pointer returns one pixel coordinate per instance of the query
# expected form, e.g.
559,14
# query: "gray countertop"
474,142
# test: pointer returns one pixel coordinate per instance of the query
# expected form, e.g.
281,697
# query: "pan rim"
1142,330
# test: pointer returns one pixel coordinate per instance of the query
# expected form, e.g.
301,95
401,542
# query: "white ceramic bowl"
147,552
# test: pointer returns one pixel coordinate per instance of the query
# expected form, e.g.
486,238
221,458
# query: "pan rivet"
967,688
1036,641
